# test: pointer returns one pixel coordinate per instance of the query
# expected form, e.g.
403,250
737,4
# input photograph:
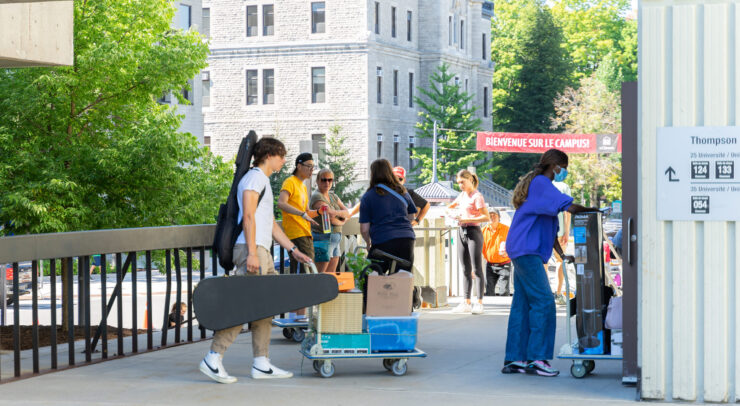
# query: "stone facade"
353,56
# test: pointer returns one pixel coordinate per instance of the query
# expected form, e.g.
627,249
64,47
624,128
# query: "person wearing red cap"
422,205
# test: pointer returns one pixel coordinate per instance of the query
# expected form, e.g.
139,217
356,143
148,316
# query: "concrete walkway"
463,367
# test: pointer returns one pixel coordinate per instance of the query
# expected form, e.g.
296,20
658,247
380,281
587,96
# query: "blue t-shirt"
387,216
535,223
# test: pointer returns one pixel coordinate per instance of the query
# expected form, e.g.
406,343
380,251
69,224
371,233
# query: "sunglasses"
307,166
400,179
327,180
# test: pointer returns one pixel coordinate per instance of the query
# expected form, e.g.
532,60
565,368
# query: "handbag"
614,314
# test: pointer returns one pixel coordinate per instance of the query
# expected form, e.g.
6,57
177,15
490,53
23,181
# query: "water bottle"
325,219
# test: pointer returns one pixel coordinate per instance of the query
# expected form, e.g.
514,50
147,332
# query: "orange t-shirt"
492,239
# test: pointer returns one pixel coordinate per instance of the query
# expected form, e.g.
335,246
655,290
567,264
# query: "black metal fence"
179,248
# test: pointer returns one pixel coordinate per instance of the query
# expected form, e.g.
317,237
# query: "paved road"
463,367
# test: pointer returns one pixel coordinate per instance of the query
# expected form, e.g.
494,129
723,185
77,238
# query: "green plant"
357,263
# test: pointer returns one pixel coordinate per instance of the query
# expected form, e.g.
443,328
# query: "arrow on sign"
670,172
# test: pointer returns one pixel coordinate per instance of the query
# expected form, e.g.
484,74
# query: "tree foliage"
447,104
594,29
337,157
591,109
88,147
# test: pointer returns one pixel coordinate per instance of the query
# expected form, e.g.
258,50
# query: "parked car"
612,223
24,280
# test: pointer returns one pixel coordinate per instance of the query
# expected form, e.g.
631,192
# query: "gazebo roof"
438,191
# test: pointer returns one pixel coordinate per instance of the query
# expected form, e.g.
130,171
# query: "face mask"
560,176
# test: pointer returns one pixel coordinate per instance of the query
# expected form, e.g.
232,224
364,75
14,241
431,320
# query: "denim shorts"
326,246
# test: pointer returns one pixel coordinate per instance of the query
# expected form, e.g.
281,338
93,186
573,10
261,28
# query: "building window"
450,29
207,140
411,151
377,17
467,105
166,98
411,89
454,31
318,147
206,84
483,48
318,17
379,76
395,149
457,81
184,16
380,144
485,102
395,88
462,34
318,85
187,92
268,86
251,87
408,26
393,22
251,21
268,19
206,26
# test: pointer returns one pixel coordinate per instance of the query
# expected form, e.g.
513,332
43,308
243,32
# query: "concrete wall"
689,76
36,33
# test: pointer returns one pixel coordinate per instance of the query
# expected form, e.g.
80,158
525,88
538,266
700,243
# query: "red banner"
538,142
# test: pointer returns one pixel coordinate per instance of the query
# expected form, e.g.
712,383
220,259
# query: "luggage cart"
295,328
583,364
323,359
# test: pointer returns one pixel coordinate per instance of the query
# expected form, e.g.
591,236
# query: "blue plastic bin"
391,334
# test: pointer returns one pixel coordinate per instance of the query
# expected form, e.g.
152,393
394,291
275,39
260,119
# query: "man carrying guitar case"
225,303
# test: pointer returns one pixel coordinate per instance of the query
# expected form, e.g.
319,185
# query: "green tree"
88,146
447,104
591,109
595,28
531,69
338,158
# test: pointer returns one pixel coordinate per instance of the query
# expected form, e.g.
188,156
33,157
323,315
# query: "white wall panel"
688,77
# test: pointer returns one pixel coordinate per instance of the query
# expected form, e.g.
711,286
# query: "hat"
306,156
400,172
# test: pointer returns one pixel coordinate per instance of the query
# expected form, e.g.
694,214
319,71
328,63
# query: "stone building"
293,69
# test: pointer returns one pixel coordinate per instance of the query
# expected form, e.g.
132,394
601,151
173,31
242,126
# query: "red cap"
400,172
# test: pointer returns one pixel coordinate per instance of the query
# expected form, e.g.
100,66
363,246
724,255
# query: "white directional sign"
697,173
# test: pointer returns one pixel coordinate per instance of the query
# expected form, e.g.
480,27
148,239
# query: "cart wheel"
399,367
298,334
327,370
288,333
317,366
578,371
388,363
590,365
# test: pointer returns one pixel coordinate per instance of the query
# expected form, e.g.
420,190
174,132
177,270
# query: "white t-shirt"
257,181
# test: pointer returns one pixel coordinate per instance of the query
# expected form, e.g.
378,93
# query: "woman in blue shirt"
530,339
386,212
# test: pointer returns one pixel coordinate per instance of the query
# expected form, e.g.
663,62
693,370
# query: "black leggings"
470,249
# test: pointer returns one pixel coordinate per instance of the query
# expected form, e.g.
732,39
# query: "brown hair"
267,147
466,174
550,157
382,173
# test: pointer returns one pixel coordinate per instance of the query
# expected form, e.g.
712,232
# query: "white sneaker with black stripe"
271,372
212,367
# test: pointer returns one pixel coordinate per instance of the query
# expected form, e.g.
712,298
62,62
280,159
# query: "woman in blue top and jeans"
386,212
530,339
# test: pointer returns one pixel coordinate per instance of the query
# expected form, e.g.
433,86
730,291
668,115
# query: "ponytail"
550,157
473,178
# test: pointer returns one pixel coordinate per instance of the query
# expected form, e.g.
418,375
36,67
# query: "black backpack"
228,226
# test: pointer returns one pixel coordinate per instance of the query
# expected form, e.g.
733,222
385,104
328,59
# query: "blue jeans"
531,332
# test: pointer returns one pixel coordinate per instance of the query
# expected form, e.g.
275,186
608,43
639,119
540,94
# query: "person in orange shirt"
498,264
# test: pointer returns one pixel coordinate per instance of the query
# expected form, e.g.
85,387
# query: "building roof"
437,192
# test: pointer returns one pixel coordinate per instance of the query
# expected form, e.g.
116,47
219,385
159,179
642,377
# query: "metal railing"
72,301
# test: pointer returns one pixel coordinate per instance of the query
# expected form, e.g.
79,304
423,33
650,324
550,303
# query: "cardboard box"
390,295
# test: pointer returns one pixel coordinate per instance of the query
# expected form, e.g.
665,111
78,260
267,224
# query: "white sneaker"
212,367
272,372
477,308
462,308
